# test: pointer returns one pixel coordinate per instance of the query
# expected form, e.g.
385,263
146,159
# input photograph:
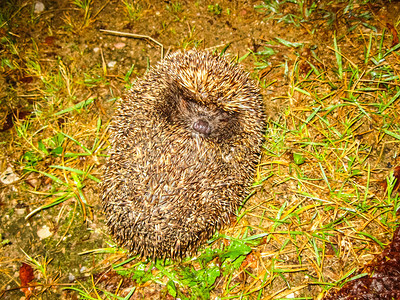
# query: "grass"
215,9
334,187
319,209
133,9
174,7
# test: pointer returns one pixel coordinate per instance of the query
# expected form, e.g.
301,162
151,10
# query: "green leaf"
42,147
75,107
289,44
30,158
266,52
298,158
171,288
57,151
77,171
237,248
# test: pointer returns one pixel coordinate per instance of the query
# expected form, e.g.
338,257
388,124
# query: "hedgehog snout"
202,126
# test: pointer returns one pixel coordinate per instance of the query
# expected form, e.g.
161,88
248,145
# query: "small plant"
3,242
191,39
133,9
262,56
215,9
186,281
276,8
85,5
46,279
175,7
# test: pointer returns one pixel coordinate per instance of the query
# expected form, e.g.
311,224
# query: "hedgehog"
185,142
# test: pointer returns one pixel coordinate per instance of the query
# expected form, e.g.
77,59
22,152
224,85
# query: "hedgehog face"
185,110
209,122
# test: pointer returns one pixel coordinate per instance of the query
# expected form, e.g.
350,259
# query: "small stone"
44,232
39,7
119,45
8,176
20,211
112,64
95,50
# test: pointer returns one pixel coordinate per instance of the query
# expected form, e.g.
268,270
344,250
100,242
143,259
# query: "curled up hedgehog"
184,145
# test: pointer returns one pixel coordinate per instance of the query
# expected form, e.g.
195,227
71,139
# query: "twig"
137,36
14,14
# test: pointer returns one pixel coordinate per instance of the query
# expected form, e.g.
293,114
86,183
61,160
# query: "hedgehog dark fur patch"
184,145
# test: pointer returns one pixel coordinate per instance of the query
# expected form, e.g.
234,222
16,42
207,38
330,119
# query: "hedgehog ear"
173,93
170,102
179,97
183,104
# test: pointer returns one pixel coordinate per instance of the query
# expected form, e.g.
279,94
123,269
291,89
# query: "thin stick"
137,36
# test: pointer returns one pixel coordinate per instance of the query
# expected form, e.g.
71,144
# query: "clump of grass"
174,7
133,9
191,40
89,16
297,12
214,9
86,7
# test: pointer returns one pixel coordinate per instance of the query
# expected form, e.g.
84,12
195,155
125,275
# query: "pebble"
119,45
39,7
44,232
20,211
111,64
8,176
